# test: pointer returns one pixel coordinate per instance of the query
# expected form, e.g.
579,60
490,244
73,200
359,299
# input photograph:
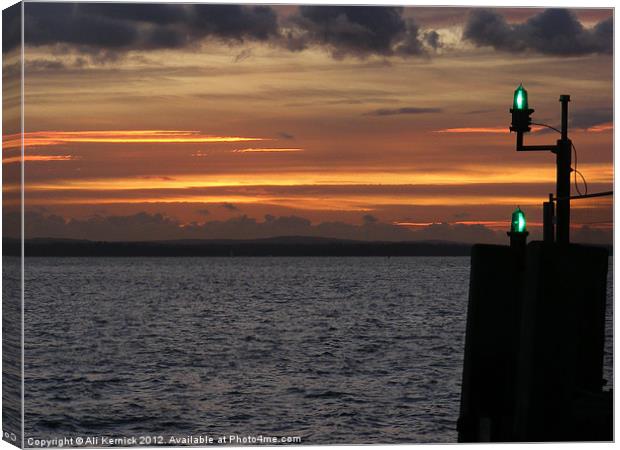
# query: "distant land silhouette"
277,246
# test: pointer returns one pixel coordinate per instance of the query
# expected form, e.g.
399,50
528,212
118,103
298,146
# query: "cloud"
144,226
102,27
432,39
157,177
104,31
490,130
268,150
230,207
459,233
552,32
407,110
369,219
37,158
589,118
36,65
49,138
354,30
137,227
11,27
591,235
203,212
461,215
243,55
285,135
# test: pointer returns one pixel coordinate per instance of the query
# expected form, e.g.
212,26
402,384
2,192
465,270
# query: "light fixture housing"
518,223
519,102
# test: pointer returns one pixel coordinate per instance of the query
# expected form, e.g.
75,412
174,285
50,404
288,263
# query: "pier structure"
534,345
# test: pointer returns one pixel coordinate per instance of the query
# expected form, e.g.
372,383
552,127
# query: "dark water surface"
334,350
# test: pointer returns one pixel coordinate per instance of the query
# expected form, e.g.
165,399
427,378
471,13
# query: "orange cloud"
267,150
333,203
493,130
413,224
602,127
14,159
47,138
595,172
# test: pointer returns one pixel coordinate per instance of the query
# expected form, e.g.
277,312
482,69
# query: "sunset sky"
203,121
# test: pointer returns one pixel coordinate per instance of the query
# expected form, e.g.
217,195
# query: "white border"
523,3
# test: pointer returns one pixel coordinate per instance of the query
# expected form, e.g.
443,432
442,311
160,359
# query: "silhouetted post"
548,216
563,161
521,121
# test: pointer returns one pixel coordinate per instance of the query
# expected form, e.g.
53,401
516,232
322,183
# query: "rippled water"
335,350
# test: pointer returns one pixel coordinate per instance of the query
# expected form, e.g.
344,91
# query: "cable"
548,126
575,171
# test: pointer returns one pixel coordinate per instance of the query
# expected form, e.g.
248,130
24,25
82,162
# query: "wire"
575,171
548,126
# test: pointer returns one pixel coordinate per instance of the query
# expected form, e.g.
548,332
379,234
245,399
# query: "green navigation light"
519,224
520,99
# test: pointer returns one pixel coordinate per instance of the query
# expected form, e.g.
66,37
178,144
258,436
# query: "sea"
314,350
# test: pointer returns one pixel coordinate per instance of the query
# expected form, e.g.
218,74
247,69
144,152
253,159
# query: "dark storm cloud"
68,23
159,13
407,110
552,32
108,28
354,30
11,27
235,21
113,27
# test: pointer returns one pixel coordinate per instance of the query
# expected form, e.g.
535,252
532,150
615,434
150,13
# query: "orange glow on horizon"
596,173
359,203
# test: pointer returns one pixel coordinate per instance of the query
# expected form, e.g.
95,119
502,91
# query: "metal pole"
548,216
563,160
